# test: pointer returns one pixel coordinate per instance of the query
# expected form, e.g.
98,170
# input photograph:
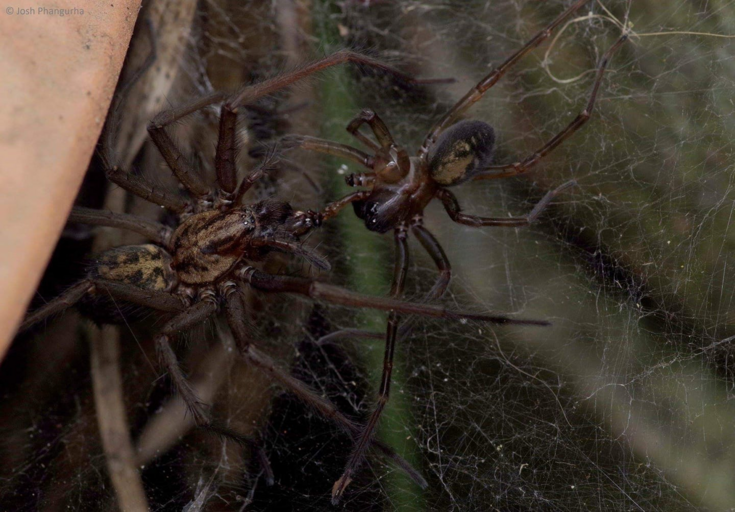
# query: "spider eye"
462,150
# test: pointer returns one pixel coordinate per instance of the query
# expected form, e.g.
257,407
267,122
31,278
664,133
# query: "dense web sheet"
623,404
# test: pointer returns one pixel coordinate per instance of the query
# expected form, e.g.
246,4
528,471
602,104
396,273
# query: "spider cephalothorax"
401,188
207,246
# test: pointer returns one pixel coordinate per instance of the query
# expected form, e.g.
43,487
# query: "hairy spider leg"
162,301
266,165
235,311
295,249
225,157
190,317
435,251
306,220
173,157
153,231
520,167
328,147
184,318
479,90
231,192
145,189
256,91
225,160
343,297
185,173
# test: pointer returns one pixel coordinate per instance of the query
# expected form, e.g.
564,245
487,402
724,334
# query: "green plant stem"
369,271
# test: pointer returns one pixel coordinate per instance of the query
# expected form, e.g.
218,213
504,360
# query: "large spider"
400,188
205,264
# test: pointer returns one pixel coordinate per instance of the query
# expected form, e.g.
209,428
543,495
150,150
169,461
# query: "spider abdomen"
461,151
145,266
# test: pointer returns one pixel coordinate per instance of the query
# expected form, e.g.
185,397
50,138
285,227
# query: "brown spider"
205,263
401,187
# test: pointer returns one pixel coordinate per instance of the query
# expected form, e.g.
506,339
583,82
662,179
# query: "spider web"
622,404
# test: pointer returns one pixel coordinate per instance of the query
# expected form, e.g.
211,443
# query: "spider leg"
296,249
188,318
400,270
479,90
304,221
60,303
253,92
349,333
343,297
328,147
502,171
145,189
176,161
434,249
153,231
267,164
192,316
167,117
235,311
225,154
333,208
246,442
162,301
144,67
378,127
225,158
451,205
288,165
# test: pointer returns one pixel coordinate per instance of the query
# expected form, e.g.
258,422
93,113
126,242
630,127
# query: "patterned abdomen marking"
144,266
461,151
